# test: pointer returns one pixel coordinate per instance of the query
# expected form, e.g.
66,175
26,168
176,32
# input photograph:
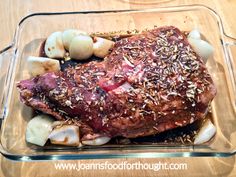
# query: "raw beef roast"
149,83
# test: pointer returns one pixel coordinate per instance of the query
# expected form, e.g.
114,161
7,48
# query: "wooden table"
13,10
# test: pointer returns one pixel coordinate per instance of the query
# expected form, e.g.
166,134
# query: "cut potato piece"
97,142
102,46
54,47
81,47
38,129
41,65
68,35
206,132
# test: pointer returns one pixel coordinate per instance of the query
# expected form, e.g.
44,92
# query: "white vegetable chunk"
65,135
102,46
97,142
68,35
57,123
41,65
38,129
206,132
194,34
81,47
54,47
201,47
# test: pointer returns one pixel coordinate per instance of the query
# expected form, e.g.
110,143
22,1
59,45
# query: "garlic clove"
97,141
38,129
81,47
194,34
54,47
206,132
202,48
68,35
65,135
41,65
102,46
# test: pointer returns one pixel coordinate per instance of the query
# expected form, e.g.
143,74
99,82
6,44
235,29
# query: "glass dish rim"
226,40
159,9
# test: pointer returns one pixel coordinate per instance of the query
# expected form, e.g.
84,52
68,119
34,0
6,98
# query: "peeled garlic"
65,135
81,47
38,129
41,65
68,35
54,47
206,132
102,46
201,47
97,142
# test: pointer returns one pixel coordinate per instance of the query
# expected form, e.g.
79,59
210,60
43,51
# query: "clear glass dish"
33,29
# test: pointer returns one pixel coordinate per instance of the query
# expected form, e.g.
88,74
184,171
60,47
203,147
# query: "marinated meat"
149,83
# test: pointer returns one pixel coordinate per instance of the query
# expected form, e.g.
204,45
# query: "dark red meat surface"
149,83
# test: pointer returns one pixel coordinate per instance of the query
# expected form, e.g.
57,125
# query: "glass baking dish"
34,28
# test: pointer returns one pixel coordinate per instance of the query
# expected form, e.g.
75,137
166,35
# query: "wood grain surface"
11,11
